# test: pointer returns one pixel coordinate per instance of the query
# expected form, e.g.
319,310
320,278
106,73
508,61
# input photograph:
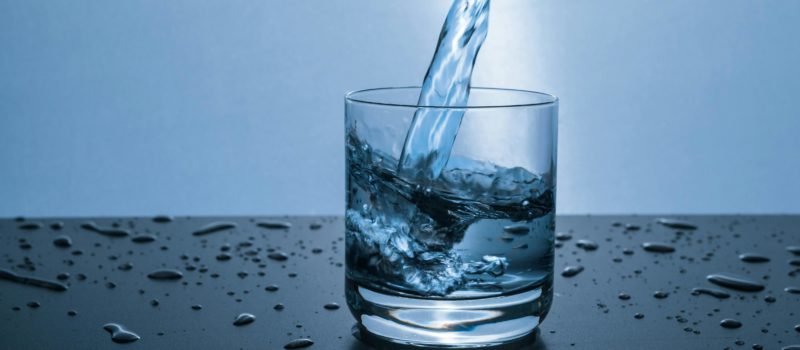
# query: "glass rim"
352,96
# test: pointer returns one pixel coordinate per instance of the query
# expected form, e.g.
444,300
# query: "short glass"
463,258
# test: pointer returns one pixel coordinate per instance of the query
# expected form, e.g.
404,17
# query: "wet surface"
288,273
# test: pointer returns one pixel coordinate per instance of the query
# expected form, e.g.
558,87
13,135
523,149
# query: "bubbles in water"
166,274
243,319
676,224
518,229
753,258
105,231
658,247
730,323
736,283
214,227
299,343
119,334
572,270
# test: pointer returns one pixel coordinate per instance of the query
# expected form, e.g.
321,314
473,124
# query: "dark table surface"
108,283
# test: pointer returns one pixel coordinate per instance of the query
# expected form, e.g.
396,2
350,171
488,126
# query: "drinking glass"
462,259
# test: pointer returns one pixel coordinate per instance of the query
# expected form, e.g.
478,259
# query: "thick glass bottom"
491,322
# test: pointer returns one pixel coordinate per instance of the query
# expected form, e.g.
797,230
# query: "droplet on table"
119,334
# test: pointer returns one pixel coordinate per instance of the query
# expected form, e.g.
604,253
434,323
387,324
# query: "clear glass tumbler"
465,258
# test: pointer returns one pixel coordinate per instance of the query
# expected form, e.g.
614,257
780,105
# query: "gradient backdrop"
236,106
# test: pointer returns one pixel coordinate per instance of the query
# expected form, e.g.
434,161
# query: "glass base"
495,322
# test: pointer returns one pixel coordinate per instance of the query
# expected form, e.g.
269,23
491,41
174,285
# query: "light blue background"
235,107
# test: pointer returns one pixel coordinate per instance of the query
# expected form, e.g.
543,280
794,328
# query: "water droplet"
32,281
627,251
105,231
197,307
274,225
522,246
316,250
570,271
797,327
791,347
144,238
794,249
62,241
736,283
638,316
632,227
62,276
315,226
757,347
56,226
792,290
30,226
716,293
586,245
332,306
279,256
214,227
623,296
271,288
519,229
753,258
154,302
72,313
279,307
299,343
676,224
34,304
770,299
794,262
730,323
244,319
658,247
660,294
166,274
562,236
119,334
224,257
162,219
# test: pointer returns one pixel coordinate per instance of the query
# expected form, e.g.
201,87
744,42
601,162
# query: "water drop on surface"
162,219
792,290
279,307
271,288
144,238
30,226
676,224
62,241
753,258
274,225
72,313
770,299
332,306
33,304
736,283
243,319
105,231
119,334
624,296
315,226
214,227
660,294
794,249
571,271
638,316
279,256
197,307
166,274
658,247
730,323
586,245
32,281
299,343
